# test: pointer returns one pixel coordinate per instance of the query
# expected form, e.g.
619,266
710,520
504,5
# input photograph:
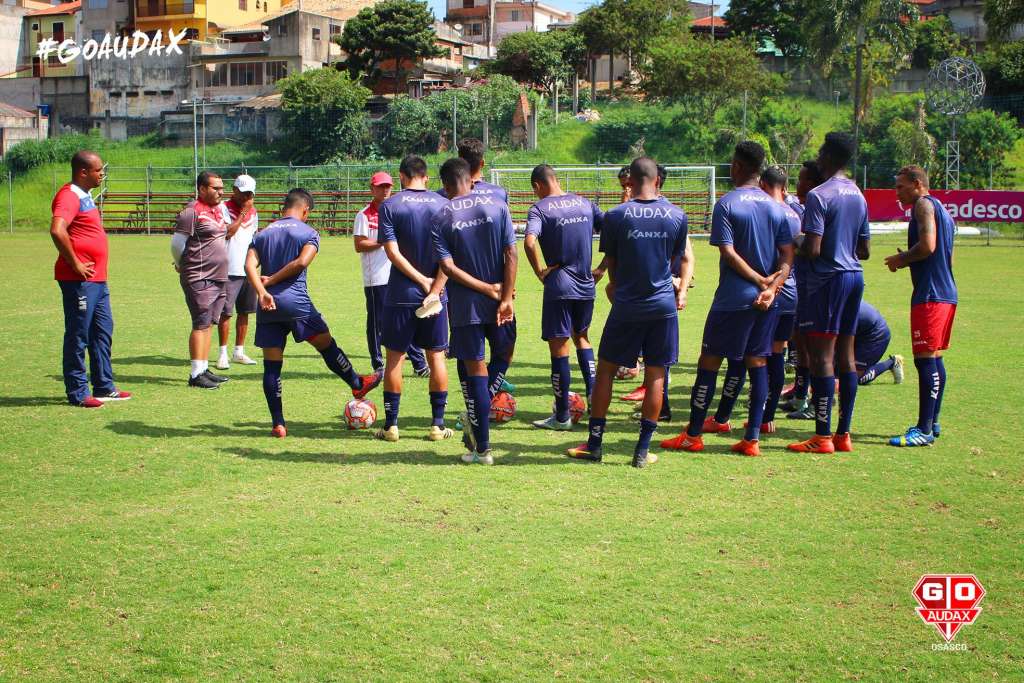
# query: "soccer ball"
577,406
627,373
503,407
360,414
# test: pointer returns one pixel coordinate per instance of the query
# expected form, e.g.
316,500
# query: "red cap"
381,178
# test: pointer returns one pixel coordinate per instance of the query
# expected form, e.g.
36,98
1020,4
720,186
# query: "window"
53,61
97,4
335,30
467,4
98,34
247,73
476,29
58,31
282,29
243,5
316,34
35,27
276,71
517,15
218,77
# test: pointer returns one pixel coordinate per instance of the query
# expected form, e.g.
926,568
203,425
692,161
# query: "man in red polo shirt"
81,272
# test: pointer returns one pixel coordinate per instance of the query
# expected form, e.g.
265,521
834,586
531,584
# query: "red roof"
63,8
717,22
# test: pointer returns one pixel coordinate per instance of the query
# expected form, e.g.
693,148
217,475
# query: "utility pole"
857,97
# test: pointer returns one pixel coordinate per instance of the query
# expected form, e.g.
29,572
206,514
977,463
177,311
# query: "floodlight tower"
954,87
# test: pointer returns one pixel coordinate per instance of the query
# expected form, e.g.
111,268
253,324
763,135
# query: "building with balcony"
968,19
202,18
59,23
487,22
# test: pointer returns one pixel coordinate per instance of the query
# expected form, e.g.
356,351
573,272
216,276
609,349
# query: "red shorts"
931,325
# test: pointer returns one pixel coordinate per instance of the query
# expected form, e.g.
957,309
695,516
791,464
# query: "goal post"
692,188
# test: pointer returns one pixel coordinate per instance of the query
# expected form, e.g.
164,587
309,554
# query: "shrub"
29,154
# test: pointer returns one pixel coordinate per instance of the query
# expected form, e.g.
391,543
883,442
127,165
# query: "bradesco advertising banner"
994,206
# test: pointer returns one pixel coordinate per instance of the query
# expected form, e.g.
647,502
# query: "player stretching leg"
283,251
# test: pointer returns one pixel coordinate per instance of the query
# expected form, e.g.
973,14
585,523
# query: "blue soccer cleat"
913,437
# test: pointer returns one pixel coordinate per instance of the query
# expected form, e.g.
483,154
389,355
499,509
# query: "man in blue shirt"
476,246
405,224
276,266
871,343
559,244
756,248
831,284
933,303
640,237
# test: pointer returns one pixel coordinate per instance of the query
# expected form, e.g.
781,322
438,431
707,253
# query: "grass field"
170,538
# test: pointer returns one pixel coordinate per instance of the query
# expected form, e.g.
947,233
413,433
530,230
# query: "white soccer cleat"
439,433
897,369
223,363
387,434
553,424
242,359
479,458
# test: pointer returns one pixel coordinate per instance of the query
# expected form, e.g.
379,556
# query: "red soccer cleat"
815,444
370,383
766,427
684,442
279,431
747,448
89,402
842,443
713,427
788,392
638,394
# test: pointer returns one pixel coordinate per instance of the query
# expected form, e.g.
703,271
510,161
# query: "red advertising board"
981,206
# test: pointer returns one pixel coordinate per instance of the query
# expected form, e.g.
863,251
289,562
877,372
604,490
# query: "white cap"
246,183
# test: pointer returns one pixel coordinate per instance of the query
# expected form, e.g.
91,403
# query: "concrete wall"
15,130
112,19
21,92
11,45
136,91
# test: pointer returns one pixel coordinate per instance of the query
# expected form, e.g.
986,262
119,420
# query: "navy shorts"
829,307
274,335
399,327
737,334
467,341
562,318
784,326
867,353
623,342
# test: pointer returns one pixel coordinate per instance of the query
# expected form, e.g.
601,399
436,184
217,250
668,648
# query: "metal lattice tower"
954,87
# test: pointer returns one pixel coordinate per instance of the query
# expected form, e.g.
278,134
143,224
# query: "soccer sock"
272,390
824,389
392,400
929,382
647,428
438,401
776,380
196,368
941,367
872,373
224,350
339,364
847,397
701,396
801,383
758,396
478,405
496,370
666,409
731,388
239,349
560,377
585,357
596,433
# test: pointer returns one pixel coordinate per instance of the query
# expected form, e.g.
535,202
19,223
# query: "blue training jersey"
755,225
933,277
837,211
872,330
277,245
565,228
485,188
787,295
406,218
473,230
643,236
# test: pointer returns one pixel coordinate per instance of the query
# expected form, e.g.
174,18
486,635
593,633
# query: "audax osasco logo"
112,47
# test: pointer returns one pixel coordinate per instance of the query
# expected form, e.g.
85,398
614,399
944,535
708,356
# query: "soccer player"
640,237
472,151
406,221
276,266
831,285
81,273
201,258
559,245
933,303
476,244
870,345
756,247
376,271
243,222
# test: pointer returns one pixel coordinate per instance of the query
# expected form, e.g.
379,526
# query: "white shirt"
376,264
238,246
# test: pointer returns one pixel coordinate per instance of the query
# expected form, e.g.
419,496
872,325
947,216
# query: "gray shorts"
205,301
239,294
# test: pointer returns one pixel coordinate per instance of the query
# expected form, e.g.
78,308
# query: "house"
12,14
58,23
968,19
706,26
417,79
18,124
487,22
201,18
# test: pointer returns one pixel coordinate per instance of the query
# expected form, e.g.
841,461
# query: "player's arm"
243,216
536,258
508,285
62,240
361,236
184,227
682,282
456,274
736,262
924,213
778,278
399,261
293,267
252,274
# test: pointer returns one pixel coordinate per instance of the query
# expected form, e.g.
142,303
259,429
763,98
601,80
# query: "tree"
1003,64
935,40
539,58
322,115
392,31
1001,16
774,21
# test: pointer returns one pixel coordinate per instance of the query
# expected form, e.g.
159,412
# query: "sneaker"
642,458
711,426
666,416
802,412
581,452
89,402
422,372
766,427
684,442
506,386
843,443
751,449
468,438
369,383
219,379
484,458
815,444
936,430
242,359
114,395
791,404
552,423
387,434
279,431
914,437
201,381
638,394
222,363
439,433
897,369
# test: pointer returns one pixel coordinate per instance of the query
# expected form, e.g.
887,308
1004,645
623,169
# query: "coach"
200,252
81,272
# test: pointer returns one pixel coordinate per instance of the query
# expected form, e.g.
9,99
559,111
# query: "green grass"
170,538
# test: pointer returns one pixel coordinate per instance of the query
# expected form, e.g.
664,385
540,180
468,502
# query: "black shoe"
201,381
219,379
666,416
640,459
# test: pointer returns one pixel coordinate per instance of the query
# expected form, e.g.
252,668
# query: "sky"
573,5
